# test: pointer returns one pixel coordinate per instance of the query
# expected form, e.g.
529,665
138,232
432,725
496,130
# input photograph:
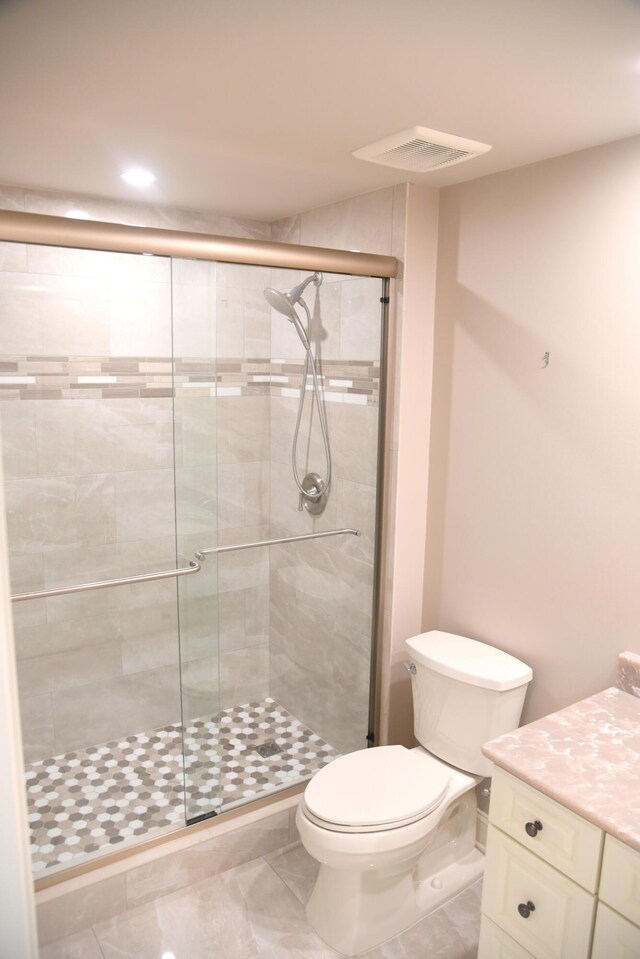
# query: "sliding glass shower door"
191,479
276,674
194,299
87,422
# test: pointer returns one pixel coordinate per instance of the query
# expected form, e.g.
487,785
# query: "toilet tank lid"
468,660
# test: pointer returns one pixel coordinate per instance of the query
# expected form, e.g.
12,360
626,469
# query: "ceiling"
252,107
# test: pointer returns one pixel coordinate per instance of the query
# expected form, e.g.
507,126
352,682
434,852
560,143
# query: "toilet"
393,828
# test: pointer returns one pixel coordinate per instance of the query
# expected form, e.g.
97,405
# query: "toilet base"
356,911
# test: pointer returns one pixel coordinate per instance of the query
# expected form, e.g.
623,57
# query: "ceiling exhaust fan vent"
420,150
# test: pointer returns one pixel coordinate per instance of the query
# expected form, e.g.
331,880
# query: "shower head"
285,303
280,302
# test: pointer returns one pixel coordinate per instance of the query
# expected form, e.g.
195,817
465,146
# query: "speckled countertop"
586,757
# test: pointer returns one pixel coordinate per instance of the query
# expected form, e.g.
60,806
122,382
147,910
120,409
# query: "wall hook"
545,361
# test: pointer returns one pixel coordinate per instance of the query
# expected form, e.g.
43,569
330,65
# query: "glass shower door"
194,290
276,640
86,415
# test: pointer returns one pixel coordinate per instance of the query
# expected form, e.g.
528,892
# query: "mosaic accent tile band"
91,801
95,377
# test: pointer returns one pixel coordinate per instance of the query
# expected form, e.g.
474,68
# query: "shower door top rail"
203,553
41,228
105,583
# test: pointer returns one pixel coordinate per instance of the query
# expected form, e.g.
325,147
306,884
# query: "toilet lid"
377,788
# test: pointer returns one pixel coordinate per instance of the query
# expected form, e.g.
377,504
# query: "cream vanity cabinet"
555,886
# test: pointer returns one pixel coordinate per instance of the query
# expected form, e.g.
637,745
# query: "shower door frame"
44,230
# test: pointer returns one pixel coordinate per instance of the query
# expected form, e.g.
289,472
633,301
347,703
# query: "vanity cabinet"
555,885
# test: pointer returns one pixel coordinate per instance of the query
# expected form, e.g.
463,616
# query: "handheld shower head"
280,302
285,303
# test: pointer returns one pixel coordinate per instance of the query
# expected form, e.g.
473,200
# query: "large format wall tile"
13,257
145,505
61,261
57,315
362,223
139,318
244,676
36,716
360,325
99,712
129,212
102,436
243,429
149,636
194,309
64,636
46,512
19,447
243,494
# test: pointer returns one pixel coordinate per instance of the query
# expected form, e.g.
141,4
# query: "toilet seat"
372,790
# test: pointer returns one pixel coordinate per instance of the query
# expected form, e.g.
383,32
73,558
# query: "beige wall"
411,359
534,505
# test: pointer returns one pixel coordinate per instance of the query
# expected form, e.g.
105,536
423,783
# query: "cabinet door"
566,841
546,913
620,879
496,944
614,937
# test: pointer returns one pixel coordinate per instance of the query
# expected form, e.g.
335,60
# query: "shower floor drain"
270,748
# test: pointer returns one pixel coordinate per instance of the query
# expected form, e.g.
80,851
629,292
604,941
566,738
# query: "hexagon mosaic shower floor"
92,800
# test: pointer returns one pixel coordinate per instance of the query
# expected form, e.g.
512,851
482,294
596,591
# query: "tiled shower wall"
296,624
321,591
324,676
88,449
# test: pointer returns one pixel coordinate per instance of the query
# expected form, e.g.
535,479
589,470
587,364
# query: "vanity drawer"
496,944
547,914
620,879
565,840
615,937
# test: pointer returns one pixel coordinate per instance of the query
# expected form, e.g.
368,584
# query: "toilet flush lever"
410,668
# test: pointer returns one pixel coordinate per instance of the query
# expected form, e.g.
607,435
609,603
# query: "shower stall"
191,433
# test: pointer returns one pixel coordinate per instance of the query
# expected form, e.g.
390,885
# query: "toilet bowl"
394,828
369,887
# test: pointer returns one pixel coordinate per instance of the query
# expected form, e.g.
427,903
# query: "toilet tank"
464,694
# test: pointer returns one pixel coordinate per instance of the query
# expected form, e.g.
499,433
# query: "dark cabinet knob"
526,908
533,828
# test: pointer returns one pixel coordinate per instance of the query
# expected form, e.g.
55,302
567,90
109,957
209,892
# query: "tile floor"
256,911
86,802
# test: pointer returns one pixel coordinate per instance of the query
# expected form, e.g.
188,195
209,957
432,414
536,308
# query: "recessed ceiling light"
138,177
78,215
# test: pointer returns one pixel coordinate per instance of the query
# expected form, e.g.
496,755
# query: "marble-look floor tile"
450,932
251,911
82,945
297,869
245,913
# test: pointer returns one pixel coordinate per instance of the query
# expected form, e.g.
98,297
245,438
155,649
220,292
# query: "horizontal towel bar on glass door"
203,553
103,584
